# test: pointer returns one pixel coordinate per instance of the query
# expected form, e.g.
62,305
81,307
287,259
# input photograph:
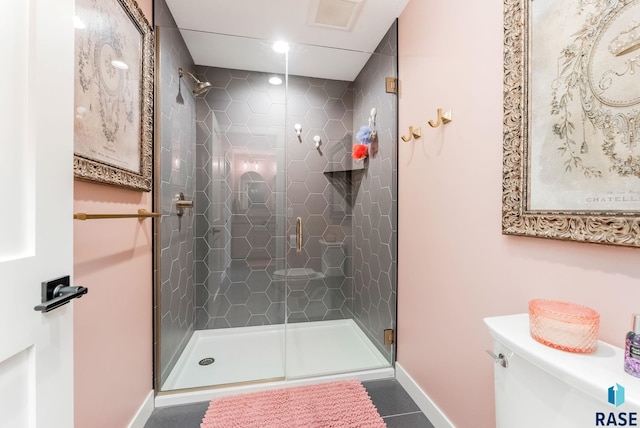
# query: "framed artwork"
113,112
571,164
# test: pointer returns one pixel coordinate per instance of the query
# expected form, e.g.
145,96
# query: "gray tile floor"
393,403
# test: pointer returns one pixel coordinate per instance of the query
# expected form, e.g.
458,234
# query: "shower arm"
200,88
182,72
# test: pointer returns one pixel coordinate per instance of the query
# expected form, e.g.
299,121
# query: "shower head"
200,88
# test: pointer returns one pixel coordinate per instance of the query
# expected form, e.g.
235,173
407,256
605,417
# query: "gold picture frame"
570,169
113,111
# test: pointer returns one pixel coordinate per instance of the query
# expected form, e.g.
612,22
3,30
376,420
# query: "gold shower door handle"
299,241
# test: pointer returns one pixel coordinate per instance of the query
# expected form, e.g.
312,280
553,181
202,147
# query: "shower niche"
236,281
345,184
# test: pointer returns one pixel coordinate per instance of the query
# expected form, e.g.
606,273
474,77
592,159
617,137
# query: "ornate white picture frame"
571,164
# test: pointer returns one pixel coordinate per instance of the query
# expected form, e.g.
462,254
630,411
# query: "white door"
36,235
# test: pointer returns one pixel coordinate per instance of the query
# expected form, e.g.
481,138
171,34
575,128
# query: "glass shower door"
249,109
287,258
220,304
341,217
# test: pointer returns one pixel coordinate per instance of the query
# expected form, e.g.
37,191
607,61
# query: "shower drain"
206,361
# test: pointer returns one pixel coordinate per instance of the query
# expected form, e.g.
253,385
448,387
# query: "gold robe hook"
413,133
443,118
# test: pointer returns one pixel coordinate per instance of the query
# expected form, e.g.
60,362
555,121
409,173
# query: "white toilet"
542,387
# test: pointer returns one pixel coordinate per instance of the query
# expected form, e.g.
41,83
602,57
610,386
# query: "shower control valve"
182,204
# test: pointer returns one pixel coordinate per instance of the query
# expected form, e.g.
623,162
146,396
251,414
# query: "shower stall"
276,250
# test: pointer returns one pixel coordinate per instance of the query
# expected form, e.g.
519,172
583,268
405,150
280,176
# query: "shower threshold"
310,351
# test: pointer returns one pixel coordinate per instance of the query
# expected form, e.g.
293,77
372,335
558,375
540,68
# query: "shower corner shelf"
345,182
344,174
347,175
341,169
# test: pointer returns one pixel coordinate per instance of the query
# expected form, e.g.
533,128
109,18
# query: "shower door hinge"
391,85
389,336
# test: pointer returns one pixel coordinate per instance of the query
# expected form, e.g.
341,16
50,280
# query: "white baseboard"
143,413
428,407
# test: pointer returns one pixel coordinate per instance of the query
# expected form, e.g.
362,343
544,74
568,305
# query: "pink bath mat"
325,405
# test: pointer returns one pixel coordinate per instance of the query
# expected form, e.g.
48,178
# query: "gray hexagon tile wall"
243,217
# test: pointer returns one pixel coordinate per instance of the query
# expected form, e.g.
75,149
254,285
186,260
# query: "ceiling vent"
338,14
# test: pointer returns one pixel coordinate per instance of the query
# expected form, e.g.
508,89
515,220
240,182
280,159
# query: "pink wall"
113,323
455,267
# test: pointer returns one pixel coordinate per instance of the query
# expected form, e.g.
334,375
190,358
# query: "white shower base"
310,351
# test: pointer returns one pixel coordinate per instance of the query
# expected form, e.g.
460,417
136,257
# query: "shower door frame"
289,135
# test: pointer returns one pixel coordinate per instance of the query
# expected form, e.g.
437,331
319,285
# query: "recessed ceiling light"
275,80
281,46
119,64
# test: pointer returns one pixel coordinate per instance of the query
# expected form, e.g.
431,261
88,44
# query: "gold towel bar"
142,214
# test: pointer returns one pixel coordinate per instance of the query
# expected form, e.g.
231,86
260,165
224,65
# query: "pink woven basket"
562,325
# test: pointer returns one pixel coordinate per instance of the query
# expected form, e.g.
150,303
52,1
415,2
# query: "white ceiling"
238,34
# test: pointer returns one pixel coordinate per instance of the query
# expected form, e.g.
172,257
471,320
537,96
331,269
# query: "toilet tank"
543,387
